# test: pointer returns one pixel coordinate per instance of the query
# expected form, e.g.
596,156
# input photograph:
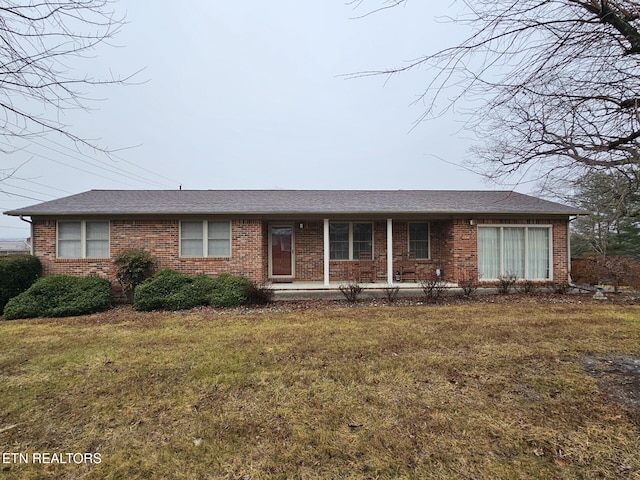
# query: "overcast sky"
252,95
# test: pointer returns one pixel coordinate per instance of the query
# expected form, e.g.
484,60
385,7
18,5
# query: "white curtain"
69,240
538,253
488,253
191,239
97,239
219,239
513,255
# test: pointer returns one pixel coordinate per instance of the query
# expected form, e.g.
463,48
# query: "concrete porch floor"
313,290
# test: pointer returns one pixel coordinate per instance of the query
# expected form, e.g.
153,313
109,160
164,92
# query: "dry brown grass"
471,391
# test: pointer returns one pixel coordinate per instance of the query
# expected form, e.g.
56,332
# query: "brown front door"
282,251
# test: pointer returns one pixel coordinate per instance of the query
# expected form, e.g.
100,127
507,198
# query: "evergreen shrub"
61,296
230,290
17,273
171,290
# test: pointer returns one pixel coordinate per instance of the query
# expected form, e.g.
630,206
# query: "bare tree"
550,87
38,42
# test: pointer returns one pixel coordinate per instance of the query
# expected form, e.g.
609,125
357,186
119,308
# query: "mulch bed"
284,306
453,299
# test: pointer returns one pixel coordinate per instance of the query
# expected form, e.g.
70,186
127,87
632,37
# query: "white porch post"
389,251
326,252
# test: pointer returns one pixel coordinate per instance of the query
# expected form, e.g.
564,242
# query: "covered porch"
323,253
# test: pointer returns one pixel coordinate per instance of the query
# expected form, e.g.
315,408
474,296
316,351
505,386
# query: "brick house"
306,235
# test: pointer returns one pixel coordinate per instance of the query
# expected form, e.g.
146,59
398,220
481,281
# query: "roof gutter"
294,212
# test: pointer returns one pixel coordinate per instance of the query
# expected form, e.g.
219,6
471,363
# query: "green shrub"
61,296
171,290
17,273
229,290
192,295
132,268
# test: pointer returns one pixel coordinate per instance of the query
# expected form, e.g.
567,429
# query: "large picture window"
523,252
205,239
347,240
83,239
419,239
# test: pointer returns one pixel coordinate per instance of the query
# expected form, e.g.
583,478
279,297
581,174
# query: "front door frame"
293,251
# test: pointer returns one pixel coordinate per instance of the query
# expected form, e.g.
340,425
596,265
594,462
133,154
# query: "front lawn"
479,390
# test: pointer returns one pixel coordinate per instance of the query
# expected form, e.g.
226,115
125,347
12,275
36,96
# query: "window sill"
204,258
87,259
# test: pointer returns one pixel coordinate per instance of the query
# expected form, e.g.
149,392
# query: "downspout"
325,255
569,279
30,222
390,251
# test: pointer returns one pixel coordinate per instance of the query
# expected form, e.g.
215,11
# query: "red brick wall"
560,251
463,251
309,251
438,237
161,239
453,249
343,270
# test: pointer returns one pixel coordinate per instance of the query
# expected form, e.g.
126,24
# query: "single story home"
14,247
321,236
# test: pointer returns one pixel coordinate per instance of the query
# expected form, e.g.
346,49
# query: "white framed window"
418,234
348,239
83,239
202,238
521,251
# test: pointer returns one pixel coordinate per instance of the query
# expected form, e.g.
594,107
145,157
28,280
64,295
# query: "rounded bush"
17,273
61,296
171,290
229,290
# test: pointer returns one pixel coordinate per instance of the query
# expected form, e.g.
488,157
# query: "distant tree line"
613,225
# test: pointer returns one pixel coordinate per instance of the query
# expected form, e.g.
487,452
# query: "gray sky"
250,94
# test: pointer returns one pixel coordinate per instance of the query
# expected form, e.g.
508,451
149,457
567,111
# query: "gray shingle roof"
264,202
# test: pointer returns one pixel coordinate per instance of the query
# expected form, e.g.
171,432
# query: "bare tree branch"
547,86
37,41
